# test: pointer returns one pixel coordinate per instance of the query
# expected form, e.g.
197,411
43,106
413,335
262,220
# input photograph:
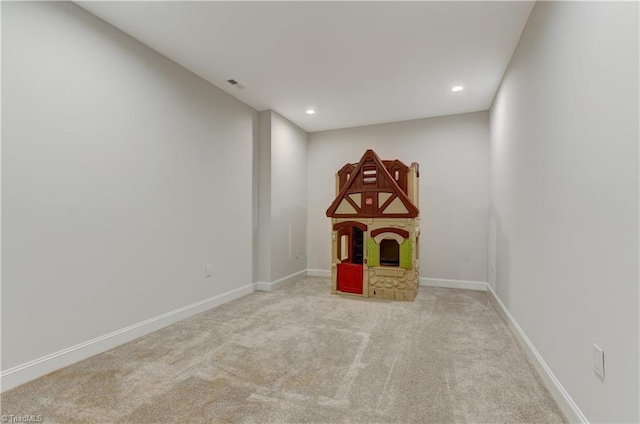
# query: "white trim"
319,273
38,367
566,404
264,286
453,284
432,282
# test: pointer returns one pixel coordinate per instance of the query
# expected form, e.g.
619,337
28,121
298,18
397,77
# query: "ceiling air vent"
235,83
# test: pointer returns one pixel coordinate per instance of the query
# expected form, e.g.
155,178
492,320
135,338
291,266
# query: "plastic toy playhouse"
375,229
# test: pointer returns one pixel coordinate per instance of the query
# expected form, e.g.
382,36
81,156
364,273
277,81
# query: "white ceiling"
356,63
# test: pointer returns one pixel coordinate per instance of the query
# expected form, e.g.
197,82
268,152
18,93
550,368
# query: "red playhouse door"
350,278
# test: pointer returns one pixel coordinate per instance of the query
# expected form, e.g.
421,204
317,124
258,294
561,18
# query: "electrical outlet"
208,270
598,361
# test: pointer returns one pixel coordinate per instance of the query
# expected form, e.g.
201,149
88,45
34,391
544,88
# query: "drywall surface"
264,196
453,153
123,176
288,197
564,192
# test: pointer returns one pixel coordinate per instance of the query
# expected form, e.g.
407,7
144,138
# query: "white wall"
264,197
282,198
564,172
123,175
288,197
453,153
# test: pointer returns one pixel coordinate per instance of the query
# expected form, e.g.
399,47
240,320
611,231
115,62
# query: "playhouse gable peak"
374,188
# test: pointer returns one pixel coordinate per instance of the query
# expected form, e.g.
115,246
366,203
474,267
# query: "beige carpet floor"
300,355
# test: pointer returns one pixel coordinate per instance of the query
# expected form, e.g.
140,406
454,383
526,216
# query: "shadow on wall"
288,241
498,256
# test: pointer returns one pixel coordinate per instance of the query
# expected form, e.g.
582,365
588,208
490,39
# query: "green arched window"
389,253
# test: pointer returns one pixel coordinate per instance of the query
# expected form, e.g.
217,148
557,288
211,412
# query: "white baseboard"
319,273
433,282
264,286
560,395
37,368
453,284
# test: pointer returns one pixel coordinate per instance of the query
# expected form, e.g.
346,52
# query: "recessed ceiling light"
310,112
457,88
